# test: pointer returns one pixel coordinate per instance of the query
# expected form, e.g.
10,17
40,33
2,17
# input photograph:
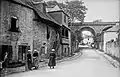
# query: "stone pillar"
15,51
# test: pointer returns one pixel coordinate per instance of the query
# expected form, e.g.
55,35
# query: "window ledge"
16,30
65,37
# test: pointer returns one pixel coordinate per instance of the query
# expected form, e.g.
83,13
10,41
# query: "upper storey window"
14,26
65,18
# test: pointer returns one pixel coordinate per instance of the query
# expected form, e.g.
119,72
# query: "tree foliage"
76,9
79,35
52,3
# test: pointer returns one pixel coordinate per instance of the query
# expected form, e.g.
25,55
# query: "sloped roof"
55,8
51,6
114,28
36,8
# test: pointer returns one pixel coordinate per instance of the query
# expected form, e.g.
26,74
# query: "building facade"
16,29
119,41
25,26
119,38
62,18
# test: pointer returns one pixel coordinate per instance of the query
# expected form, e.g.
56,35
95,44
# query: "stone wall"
73,42
31,33
112,48
70,51
24,23
119,40
39,31
52,39
66,50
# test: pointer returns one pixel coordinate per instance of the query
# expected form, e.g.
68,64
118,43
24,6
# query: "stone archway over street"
96,26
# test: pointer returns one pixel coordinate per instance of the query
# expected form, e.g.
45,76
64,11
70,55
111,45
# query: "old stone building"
25,25
15,29
62,18
119,37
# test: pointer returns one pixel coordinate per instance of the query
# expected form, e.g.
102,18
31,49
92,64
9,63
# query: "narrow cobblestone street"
90,64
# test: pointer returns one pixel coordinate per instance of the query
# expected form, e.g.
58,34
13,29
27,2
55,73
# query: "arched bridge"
94,27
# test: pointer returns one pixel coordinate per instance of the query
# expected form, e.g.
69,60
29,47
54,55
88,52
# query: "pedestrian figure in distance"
52,59
3,64
36,59
1,69
29,60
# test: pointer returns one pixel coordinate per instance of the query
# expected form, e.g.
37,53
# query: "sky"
107,10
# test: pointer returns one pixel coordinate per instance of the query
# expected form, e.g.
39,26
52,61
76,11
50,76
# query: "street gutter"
112,61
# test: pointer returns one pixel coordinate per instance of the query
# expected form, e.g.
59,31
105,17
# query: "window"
65,18
3,49
36,17
44,8
48,33
21,52
66,33
14,27
56,34
63,32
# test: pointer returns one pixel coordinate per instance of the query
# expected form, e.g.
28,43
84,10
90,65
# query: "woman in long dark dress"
29,60
52,59
3,64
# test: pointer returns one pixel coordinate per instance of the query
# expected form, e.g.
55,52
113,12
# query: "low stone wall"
112,48
15,70
111,60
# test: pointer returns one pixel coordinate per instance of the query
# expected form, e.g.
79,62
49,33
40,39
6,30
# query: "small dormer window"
14,27
65,18
63,32
13,23
66,33
48,33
